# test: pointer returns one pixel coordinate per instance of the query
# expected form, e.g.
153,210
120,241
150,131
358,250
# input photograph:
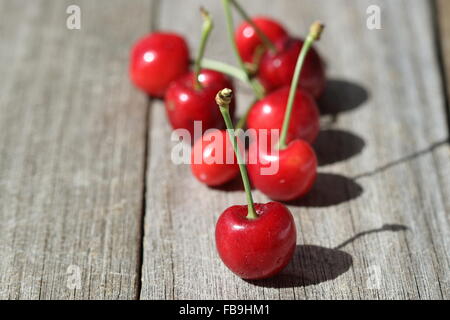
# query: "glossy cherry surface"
268,113
186,104
216,162
294,170
276,69
248,40
256,248
157,60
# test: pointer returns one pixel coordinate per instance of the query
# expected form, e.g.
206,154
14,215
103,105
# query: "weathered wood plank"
376,224
443,31
72,148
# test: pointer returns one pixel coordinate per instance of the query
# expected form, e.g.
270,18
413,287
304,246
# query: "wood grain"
376,225
83,155
72,147
443,32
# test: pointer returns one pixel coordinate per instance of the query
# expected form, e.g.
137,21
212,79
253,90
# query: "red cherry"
268,113
213,145
157,60
277,68
186,104
248,41
256,248
294,170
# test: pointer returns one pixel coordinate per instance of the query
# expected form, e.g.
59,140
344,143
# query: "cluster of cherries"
287,76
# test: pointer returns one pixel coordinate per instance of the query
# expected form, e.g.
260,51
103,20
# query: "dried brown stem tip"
204,13
316,30
223,97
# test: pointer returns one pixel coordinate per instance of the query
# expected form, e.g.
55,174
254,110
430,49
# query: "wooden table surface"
92,207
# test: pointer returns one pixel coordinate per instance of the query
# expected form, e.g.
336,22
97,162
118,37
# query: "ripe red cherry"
256,248
248,41
214,145
277,68
268,113
294,170
186,104
157,60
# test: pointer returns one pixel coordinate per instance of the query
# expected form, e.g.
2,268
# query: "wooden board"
376,225
442,8
83,156
72,150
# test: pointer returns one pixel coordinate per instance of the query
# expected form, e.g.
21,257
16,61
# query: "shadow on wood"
234,185
329,190
385,227
312,264
333,146
402,160
341,96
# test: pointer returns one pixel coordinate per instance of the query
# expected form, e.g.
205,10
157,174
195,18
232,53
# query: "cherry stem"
206,31
225,68
234,72
314,35
257,89
268,44
223,100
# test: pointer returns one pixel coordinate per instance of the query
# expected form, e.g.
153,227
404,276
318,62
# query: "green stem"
225,68
268,44
223,100
236,73
314,34
206,31
230,29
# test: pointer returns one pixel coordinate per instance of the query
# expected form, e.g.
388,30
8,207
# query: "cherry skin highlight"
156,60
296,174
277,69
186,104
248,41
268,113
256,248
211,146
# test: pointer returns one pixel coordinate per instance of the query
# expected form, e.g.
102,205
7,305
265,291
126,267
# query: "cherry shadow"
334,145
329,190
341,96
234,185
312,265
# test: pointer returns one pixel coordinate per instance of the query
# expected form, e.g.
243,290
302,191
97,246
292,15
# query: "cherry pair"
267,114
160,67
291,154
265,44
